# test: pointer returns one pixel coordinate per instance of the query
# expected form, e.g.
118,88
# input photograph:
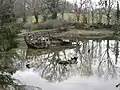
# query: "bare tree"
101,4
20,9
116,50
85,12
108,6
36,6
63,7
53,7
23,8
25,13
79,7
92,11
117,13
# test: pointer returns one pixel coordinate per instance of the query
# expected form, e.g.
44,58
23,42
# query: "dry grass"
79,34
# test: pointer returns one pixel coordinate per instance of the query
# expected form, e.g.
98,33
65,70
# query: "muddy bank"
46,39
74,34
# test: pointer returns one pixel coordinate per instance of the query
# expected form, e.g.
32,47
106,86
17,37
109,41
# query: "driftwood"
40,41
65,63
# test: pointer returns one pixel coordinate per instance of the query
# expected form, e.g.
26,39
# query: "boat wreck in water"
39,41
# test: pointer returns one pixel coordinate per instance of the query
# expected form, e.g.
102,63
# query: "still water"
97,67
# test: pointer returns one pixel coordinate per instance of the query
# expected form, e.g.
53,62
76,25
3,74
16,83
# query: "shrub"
79,25
45,26
50,24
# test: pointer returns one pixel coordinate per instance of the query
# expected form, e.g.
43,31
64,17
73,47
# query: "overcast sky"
78,0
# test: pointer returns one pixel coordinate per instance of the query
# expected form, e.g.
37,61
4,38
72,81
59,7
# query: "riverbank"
75,34
87,34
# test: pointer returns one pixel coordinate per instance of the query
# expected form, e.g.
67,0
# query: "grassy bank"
74,34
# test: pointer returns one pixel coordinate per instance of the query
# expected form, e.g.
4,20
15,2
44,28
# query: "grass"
33,31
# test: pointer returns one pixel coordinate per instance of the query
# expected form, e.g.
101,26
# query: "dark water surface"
98,66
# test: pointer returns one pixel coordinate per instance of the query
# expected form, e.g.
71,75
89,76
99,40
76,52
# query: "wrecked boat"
39,41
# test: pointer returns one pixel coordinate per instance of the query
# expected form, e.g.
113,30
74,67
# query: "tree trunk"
24,19
24,15
84,19
2,21
45,17
117,14
92,17
62,15
108,20
78,17
88,18
100,16
36,18
116,51
54,15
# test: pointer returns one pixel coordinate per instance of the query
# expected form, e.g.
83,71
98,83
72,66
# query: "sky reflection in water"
97,68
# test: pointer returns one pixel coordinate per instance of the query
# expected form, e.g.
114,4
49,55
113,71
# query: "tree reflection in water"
7,68
10,62
95,57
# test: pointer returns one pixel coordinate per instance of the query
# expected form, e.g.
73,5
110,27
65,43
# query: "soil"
86,34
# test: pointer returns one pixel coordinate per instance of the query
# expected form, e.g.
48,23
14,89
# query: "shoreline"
75,34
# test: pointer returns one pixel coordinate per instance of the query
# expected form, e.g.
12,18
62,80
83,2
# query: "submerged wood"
41,41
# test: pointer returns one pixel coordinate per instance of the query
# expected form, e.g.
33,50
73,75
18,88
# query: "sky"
78,0
31,78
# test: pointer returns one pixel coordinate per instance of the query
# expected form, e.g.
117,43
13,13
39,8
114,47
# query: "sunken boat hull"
36,41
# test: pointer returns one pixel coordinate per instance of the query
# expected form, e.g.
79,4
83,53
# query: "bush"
50,24
54,23
45,26
79,25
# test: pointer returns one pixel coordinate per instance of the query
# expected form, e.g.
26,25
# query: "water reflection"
7,59
95,58
99,58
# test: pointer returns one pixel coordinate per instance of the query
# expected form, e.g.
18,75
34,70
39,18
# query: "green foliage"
5,80
8,31
7,40
6,70
8,26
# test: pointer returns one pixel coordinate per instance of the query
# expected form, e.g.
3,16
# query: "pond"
97,67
